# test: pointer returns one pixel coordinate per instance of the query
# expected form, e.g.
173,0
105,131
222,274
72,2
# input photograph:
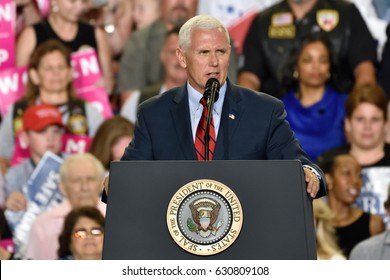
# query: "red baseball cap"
38,117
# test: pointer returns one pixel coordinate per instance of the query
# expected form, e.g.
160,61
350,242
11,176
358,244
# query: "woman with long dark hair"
315,108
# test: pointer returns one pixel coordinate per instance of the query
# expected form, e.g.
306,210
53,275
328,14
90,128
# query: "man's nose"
213,59
85,184
367,124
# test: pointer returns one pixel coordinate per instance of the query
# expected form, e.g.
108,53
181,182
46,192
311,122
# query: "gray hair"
79,159
199,22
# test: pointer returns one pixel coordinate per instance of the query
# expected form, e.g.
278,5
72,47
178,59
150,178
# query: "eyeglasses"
83,233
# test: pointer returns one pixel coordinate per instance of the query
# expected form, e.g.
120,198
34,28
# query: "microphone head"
212,84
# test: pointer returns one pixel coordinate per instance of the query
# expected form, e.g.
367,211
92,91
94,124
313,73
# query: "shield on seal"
204,223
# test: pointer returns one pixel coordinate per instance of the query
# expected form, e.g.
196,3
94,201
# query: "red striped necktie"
200,135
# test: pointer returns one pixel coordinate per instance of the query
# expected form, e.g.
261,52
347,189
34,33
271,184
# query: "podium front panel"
277,213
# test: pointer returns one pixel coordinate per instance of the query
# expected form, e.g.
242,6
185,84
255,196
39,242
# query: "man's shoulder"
338,3
368,246
276,8
20,167
376,239
343,7
145,34
160,100
267,14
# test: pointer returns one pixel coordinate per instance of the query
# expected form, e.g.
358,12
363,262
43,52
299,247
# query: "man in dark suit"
248,125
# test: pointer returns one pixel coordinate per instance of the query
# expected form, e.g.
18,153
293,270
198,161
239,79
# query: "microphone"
211,95
211,90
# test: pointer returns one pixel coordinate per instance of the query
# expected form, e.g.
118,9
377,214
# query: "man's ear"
181,57
33,75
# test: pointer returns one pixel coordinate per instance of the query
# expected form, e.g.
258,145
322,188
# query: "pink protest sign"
86,77
7,33
12,86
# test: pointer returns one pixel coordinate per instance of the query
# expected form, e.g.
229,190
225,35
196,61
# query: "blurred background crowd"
72,73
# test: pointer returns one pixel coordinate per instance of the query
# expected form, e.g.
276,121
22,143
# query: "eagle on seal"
204,213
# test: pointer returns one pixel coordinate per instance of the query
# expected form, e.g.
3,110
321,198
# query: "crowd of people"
322,65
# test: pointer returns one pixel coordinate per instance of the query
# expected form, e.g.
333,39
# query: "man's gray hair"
80,159
199,22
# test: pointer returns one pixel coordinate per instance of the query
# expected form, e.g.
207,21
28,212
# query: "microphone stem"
210,106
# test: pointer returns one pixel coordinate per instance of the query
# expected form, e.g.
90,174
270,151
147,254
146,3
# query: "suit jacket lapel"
182,123
232,111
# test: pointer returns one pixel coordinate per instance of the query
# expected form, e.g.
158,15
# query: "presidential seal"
204,217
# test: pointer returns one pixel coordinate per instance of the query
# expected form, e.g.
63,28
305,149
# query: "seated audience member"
81,176
146,12
4,231
50,82
365,125
174,76
376,247
82,235
315,109
274,32
64,25
111,139
42,132
327,247
343,175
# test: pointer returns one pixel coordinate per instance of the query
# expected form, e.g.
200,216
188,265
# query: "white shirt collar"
194,97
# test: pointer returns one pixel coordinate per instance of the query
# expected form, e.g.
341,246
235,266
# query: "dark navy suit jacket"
252,127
